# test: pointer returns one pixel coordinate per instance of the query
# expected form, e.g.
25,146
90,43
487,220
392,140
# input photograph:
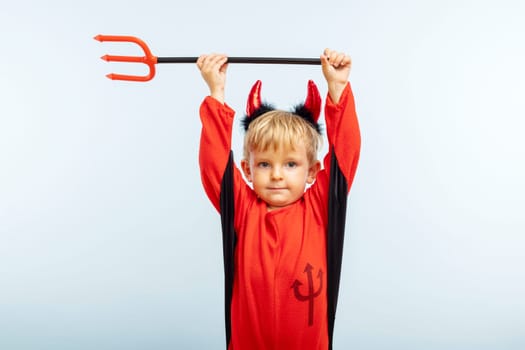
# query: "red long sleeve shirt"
279,290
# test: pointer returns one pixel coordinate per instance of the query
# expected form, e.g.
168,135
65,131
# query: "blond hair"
276,129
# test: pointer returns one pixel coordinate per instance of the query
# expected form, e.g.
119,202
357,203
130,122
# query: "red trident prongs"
151,60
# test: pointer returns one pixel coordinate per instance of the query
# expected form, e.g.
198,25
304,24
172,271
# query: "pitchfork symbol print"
312,293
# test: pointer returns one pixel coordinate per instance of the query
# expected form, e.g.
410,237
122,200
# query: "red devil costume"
282,267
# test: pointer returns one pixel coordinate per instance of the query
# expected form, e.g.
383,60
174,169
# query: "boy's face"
279,177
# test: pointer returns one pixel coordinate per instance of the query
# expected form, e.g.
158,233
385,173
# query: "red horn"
254,98
313,100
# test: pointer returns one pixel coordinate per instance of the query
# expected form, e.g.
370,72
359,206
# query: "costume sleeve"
222,181
344,137
344,144
215,146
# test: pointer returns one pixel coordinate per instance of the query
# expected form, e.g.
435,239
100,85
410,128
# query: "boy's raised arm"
217,120
342,127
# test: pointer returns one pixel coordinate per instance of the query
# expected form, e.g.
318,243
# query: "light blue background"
107,240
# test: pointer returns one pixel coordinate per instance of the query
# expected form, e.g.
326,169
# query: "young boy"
282,242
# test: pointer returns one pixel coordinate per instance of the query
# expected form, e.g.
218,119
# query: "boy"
282,243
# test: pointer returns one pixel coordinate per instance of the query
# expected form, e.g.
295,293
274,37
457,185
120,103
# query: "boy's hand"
213,70
336,70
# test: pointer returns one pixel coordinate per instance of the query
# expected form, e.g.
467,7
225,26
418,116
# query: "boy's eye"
263,164
291,164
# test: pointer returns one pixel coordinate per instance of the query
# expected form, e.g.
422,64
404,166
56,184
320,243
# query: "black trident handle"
250,60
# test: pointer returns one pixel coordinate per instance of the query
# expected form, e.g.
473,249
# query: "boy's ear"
312,172
245,165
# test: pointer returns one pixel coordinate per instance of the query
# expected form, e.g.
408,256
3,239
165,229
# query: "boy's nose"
277,173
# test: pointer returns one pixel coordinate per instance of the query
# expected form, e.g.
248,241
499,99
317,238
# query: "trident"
151,60
311,293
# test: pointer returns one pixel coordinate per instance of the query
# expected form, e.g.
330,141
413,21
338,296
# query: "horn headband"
309,110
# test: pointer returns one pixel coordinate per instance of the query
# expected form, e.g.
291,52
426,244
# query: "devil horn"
254,98
313,100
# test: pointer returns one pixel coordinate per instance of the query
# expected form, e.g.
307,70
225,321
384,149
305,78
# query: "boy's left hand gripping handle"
148,59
